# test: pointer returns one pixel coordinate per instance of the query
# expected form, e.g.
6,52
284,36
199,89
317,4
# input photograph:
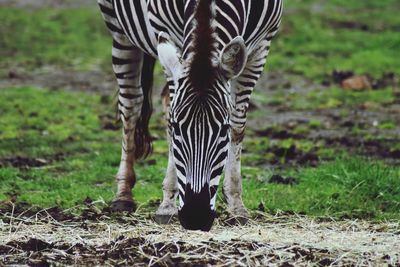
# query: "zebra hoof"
123,205
237,220
164,219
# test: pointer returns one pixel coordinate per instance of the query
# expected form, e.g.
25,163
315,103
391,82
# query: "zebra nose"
196,212
195,217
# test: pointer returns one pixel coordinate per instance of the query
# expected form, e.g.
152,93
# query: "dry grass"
137,240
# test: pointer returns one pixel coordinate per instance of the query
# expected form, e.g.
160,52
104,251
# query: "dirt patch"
370,147
23,162
88,211
91,82
293,156
109,122
350,25
87,81
141,252
278,179
41,240
347,79
284,157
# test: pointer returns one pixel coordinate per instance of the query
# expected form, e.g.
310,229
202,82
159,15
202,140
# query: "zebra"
212,52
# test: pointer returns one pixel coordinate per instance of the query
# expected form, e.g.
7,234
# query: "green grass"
347,187
38,123
66,37
65,127
314,39
333,97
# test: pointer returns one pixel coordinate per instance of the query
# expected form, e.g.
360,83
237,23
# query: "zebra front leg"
241,91
233,180
127,65
168,208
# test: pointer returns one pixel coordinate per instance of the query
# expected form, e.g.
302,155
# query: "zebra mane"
202,71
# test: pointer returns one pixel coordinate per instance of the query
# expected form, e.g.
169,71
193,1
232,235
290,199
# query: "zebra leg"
168,208
241,90
127,64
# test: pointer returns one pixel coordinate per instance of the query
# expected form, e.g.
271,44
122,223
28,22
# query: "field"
321,161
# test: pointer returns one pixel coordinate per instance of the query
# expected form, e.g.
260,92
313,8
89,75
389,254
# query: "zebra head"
200,118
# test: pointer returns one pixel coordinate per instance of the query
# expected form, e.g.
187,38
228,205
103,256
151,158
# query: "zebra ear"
233,58
169,56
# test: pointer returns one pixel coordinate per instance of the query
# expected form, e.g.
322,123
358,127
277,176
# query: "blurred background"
323,133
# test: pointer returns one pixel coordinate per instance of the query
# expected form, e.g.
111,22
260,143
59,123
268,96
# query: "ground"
97,237
321,158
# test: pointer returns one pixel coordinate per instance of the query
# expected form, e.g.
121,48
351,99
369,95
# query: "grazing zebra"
213,52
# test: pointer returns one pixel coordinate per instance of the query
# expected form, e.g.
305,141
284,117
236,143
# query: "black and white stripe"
201,127
200,135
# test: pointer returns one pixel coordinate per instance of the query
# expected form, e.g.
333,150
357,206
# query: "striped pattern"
201,128
200,136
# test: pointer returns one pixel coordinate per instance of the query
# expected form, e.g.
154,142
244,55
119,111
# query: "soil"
23,162
97,237
95,82
278,179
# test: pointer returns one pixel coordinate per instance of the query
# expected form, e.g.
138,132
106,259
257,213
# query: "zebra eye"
175,127
224,130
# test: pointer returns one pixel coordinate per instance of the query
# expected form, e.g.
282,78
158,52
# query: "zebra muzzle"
196,213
